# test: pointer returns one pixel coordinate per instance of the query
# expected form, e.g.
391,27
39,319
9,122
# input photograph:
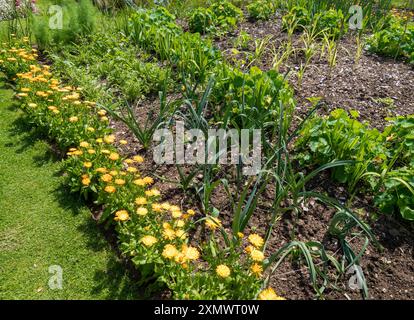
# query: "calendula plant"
229,269
65,122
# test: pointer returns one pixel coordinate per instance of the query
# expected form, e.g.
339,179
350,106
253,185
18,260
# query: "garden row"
153,234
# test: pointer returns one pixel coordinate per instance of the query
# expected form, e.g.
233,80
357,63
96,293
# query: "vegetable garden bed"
332,205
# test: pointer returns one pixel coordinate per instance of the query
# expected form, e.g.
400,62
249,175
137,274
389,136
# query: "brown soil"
349,85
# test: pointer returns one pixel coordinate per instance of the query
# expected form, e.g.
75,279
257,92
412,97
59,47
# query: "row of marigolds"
154,234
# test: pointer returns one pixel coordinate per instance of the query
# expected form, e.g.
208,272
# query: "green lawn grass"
42,225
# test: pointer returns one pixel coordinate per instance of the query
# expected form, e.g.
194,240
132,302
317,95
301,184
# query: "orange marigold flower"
106,177
257,269
114,156
120,182
121,215
110,189
256,240
269,294
257,255
223,271
213,223
149,240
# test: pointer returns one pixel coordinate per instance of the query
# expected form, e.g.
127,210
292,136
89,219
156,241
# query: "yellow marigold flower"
138,159
56,111
87,164
77,152
99,140
149,240
120,182
213,223
142,211
166,225
174,208
180,223
176,214
22,94
148,180
152,193
168,234
132,169
86,181
269,294
114,156
91,151
249,249
121,215
180,258
113,173
181,234
257,255
139,182
102,112
191,253
101,170
109,139
107,178
256,240
223,271
73,119
90,129
166,206
257,269
104,119
84,144
170,251
105,151
240,235
110,189
25,89
191,212
123,142
156,207
141,201
129,161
